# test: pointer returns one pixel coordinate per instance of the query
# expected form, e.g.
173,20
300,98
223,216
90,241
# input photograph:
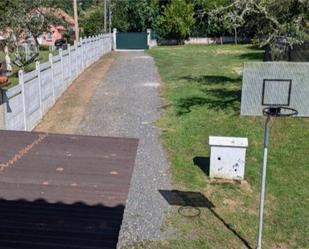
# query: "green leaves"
177,21
133,15
22,19
93,21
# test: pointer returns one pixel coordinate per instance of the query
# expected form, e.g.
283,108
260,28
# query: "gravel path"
127,104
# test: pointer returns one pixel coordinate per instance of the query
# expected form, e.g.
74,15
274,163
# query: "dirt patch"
246,187
231,204
238,69
68,112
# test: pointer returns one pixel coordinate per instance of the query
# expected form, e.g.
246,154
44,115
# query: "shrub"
44,48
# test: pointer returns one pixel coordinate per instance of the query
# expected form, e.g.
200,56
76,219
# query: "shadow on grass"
217,99
203,163
252,56
211,79
196,200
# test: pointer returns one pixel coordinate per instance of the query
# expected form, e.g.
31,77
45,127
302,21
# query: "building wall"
49,38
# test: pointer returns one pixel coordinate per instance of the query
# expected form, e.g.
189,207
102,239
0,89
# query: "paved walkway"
127,104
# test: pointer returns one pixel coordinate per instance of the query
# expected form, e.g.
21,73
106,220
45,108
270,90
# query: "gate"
131,40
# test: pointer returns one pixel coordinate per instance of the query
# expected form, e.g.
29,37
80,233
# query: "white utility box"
227,157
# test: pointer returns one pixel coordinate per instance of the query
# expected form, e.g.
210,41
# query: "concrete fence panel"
46,81
31,92
25,104
13,111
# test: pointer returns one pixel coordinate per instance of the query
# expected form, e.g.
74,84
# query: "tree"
23,19
207,25
279,25
93,21
176,21
132,15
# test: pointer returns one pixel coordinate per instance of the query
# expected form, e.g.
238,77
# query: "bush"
177,21
44,48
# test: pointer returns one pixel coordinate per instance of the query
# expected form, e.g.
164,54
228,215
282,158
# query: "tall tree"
207,25
177,20
132,15
274,21
92,21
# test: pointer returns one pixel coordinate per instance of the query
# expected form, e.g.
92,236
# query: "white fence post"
101,45
22,87
91,49
82,53
96,48
85,53
37,67
69,65
114,39
50,58
62,70
148,37
75,61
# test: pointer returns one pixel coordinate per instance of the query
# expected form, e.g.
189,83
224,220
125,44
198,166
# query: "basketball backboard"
271,84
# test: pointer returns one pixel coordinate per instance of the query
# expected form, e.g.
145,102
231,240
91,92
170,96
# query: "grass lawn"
14,77
202,89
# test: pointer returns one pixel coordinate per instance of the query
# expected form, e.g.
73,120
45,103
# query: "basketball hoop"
279,111
276,95
273,89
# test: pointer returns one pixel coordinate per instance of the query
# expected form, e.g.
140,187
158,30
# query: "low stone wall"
194,40
210,40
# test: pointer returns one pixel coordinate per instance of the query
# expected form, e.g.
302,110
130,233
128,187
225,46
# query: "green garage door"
131,40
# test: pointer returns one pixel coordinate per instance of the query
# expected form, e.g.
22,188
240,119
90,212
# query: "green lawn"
14,77
202,89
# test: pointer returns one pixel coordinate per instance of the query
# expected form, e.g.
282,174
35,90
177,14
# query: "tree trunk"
235,32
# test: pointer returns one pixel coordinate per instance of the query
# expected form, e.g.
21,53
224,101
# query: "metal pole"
105,17
263,183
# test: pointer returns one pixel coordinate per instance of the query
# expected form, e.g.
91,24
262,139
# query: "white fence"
26,103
